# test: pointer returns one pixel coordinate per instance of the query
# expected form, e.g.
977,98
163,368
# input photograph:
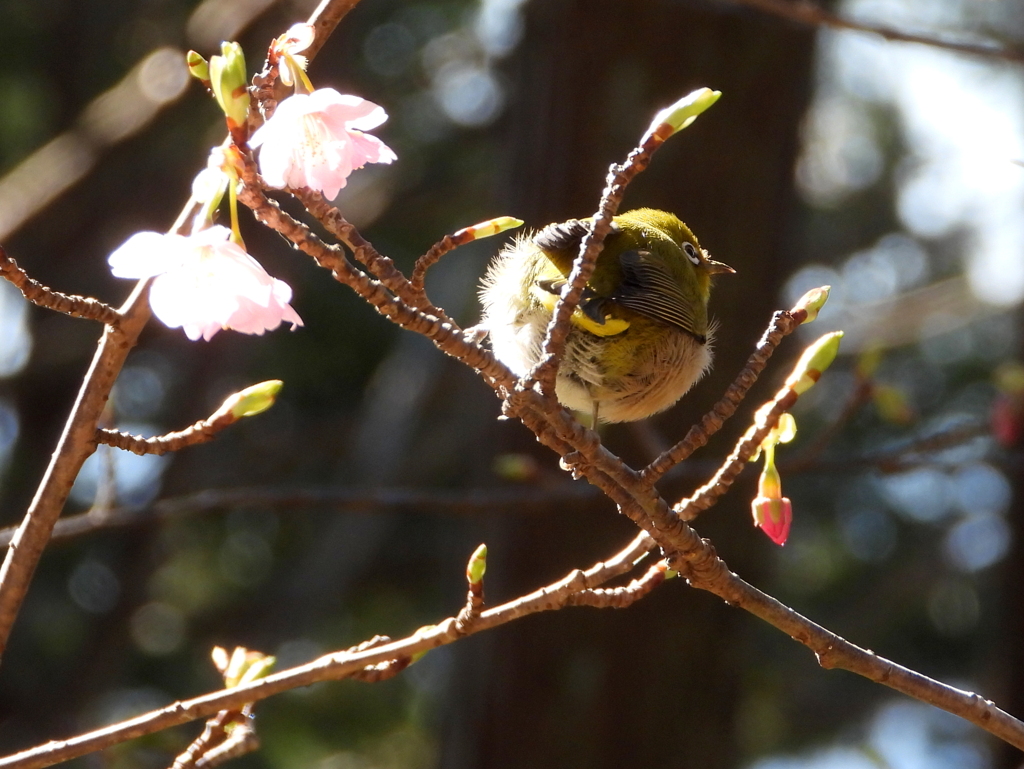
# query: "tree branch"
806,12
444,334
68,304
382,267
524,500
782,324
76,444
235,407
325,19
364,662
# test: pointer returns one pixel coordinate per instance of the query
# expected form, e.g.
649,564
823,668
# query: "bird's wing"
650,289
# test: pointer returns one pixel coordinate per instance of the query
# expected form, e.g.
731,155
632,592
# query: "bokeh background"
891,171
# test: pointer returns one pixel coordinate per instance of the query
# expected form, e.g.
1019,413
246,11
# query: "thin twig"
227,735
242,739
444,246
903,457
708,494
619,177
203,431
69,304
622,597
522,501
808,13
782,324
362,662
380,671
325,19
76,444
382,267
447,336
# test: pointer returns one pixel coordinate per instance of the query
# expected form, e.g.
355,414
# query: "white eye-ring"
691,252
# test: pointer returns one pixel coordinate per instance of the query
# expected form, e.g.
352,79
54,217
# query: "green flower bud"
229,83
257,667
198,67
488,228
252,400
477,565
812,302
813,362
685,111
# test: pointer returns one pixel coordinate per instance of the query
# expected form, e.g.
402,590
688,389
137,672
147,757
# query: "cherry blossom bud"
773,513
242,667
1007,415
816,358
892,404
1007,419
812,302
477,566
773,516
229,83
487,229
252,400
683,112
198,67
868,362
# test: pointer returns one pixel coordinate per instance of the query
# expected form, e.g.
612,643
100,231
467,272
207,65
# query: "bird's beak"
714,267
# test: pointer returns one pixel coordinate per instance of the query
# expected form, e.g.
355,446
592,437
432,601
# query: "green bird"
640,337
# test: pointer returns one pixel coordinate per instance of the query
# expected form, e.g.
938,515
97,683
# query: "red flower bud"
774,516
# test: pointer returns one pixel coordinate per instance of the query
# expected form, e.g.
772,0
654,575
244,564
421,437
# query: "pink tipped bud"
773,517
1007,420
773,513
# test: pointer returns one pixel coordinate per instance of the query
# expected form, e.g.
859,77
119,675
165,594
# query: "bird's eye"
691,252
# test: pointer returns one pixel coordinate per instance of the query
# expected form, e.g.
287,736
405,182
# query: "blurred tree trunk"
657,684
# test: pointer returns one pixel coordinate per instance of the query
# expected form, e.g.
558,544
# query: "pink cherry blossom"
205,282
316,140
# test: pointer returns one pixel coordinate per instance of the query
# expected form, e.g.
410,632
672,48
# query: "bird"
639,338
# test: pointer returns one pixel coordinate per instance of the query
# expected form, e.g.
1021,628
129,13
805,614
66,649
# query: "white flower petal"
146,254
